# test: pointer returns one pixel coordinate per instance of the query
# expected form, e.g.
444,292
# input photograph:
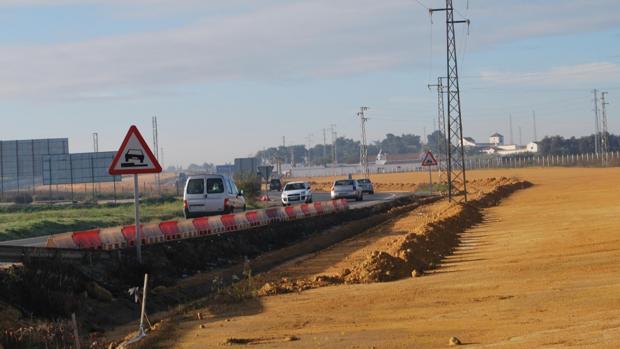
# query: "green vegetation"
422,188
24,221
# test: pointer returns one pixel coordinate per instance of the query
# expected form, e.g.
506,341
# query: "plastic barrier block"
290,212
229,222
306,209
318,207
112,238
129,232
151,234
242,221
253,218
274,214
87,239
187,229
202,225
170,229
64,240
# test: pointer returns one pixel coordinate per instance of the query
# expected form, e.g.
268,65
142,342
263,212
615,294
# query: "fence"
586,160
516,161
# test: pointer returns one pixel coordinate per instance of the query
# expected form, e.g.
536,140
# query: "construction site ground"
542,269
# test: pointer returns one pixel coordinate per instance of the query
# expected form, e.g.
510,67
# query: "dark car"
135,154
275,184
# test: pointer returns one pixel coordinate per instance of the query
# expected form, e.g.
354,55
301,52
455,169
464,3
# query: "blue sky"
227,78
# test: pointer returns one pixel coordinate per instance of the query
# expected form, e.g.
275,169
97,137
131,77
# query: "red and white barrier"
62,241
88,239
124,237
112,238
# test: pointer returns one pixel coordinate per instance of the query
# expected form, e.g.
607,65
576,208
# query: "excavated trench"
35,295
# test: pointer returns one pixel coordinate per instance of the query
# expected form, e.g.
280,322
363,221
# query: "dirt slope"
543,270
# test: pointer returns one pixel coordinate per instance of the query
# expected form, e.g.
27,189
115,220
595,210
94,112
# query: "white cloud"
561,75
299,40
273,40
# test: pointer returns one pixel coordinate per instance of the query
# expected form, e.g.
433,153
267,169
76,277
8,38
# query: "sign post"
135,157
428,161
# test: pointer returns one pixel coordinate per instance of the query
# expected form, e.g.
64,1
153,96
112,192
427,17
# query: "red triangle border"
134,130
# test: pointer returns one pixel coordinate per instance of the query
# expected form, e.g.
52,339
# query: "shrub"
250,184
23,198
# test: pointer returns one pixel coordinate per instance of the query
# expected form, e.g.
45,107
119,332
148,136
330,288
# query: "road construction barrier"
88,239
124,237
112,238
64,240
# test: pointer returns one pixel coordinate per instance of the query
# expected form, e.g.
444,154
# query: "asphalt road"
369,200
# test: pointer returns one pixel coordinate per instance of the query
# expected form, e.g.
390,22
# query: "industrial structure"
26,164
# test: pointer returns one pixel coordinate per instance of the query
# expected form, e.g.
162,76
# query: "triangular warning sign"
134,156
429,159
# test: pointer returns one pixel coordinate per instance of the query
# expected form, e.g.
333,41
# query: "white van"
211,193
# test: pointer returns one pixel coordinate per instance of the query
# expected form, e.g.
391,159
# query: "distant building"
469,142
248,166
496,139
511,149
227,170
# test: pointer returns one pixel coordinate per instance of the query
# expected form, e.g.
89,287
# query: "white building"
496,139
511,149
469,142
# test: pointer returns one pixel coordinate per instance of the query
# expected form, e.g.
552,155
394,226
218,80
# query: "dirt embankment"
179,273
416,243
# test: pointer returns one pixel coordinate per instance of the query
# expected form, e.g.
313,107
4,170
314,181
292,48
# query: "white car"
348,189
296,192
212,193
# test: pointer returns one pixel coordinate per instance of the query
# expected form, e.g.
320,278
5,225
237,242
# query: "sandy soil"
542,270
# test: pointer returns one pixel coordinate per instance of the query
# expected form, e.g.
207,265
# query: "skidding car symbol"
133,155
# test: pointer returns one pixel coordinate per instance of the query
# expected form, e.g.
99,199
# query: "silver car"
366,185
296,192
347,189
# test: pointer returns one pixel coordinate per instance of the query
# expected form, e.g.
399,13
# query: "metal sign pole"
136,200
143,311
430,180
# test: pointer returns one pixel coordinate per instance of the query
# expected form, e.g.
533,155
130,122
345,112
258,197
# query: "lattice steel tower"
457,184
604,138
363,144
597,124
442,157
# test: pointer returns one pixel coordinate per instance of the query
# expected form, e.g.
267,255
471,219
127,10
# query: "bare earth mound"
539,270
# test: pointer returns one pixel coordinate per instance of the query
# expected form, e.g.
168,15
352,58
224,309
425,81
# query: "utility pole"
95,142
597,130
534,122
156,149
309,140
604,133
457,183
442,156
324,148
334,139
161,155
363,144
510,127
